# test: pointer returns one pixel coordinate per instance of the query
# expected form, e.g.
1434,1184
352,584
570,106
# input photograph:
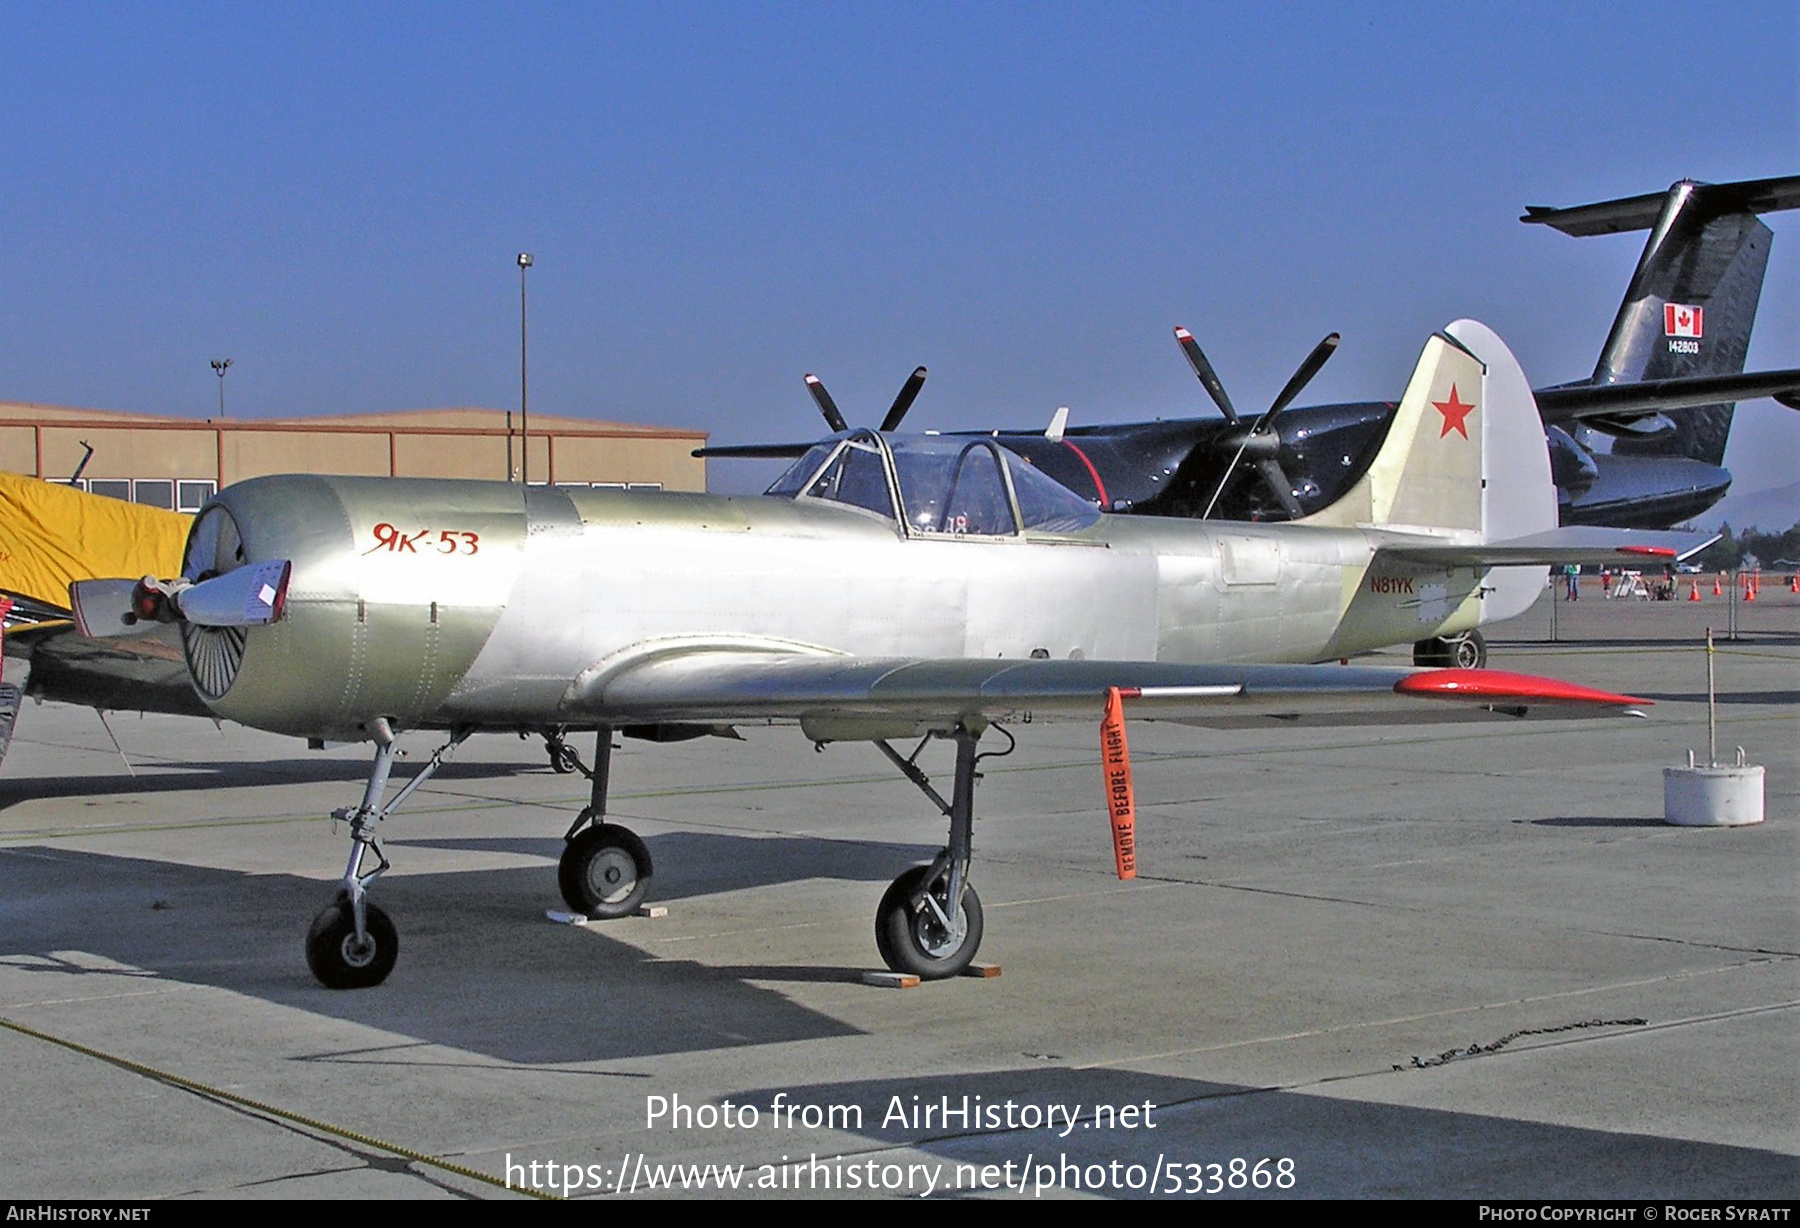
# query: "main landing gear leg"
352,944
929,921
605,870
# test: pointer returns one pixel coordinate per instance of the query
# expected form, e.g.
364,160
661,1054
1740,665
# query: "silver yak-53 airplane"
886,587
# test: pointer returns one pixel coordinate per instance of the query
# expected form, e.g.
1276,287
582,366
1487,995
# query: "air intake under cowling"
213,657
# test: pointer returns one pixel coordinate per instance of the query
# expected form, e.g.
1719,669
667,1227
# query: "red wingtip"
1661,552
1495,685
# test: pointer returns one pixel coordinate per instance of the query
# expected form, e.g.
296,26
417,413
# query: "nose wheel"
341,958
352,944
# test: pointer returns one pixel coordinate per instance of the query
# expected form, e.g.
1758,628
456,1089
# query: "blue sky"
1025,198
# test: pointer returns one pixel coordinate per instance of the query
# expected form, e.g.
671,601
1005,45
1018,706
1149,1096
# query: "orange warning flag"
1121,804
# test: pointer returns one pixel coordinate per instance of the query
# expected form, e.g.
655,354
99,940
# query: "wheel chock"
891,980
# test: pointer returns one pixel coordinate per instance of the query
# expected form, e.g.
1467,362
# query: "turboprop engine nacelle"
395,585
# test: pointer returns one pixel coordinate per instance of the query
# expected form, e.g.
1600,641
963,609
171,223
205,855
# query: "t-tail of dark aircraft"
1691,303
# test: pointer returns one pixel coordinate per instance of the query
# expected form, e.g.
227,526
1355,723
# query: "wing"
139,673
843,698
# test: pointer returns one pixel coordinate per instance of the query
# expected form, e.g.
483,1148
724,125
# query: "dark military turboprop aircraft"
886,587
1678,344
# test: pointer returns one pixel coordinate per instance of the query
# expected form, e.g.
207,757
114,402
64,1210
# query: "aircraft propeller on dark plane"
909,392
1261,443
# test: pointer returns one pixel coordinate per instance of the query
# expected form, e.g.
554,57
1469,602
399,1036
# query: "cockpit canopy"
935,485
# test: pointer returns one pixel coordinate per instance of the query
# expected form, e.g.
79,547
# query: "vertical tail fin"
1464,451
1692,301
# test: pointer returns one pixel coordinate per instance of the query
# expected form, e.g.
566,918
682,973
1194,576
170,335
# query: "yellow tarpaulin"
51,534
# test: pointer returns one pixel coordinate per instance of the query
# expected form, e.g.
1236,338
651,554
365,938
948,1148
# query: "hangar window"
154,492
191,496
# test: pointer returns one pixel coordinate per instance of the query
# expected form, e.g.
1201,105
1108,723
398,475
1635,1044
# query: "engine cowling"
395,586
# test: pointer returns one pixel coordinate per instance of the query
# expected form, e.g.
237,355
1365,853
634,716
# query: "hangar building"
178,463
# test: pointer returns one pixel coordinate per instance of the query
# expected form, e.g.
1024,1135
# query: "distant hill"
1771,510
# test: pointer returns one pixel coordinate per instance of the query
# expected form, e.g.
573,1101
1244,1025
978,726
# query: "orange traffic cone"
1717,590
1693,590
1749,591
1794,583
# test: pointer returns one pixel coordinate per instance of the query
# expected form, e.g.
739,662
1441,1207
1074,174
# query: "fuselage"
440,603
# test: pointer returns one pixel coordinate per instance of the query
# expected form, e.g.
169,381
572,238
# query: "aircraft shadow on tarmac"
1341,1147
709,863
482,973
1789,698
475,947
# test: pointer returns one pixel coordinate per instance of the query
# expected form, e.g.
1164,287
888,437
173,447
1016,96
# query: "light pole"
524,418
220,366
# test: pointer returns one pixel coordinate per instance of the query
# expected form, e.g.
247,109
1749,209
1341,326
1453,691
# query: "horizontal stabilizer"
756,451
1570,544
1610,217
1579,401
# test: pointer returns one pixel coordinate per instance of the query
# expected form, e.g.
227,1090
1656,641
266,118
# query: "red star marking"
1454,411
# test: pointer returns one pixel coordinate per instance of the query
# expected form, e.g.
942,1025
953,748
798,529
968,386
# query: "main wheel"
1468,650
339,960
914,940
1465,651
604,872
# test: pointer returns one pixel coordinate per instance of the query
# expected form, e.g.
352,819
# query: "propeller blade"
250,596
909,392
827,406
1262,441
1209,379
104,608
1280,487
1322,353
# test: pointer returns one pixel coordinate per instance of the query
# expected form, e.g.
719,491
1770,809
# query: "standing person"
1606,582
1572,573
